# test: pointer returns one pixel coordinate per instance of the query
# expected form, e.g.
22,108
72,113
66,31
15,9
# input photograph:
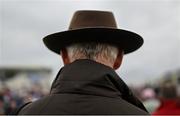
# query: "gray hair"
92,51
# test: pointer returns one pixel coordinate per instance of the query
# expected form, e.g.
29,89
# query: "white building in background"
20,79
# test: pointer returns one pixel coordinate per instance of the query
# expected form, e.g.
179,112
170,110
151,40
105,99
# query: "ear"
65,56
118,60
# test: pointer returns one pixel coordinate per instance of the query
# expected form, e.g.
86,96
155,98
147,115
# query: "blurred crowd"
161,97
10,100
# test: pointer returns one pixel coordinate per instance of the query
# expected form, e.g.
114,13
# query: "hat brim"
125,40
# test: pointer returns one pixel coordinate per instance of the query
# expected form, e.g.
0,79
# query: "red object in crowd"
168,107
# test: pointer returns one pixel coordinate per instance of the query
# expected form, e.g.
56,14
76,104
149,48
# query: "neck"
101,61
105,62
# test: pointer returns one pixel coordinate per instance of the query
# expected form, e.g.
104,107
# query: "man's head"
106,54
88,32
168,90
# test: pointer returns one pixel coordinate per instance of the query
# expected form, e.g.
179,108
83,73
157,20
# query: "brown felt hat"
94,26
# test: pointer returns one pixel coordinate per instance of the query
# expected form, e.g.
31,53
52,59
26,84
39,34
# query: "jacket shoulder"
33,107
16,111
80,104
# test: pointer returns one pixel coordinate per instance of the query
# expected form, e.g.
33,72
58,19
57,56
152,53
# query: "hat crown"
92,19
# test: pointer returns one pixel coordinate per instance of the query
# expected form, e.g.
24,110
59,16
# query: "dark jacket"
87,87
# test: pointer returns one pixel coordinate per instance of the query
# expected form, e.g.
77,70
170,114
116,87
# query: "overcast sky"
23,24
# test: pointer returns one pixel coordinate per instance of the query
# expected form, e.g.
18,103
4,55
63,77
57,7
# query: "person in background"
1,104
170,104
91,50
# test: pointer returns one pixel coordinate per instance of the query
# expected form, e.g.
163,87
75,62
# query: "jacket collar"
89,77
